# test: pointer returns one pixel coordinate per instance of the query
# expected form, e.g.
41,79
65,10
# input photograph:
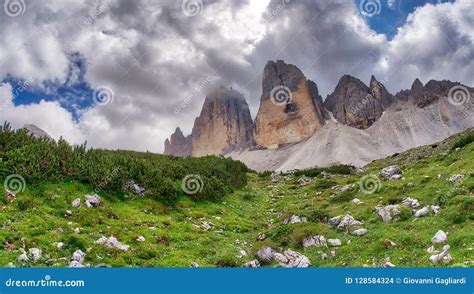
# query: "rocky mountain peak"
224,124
178,144
290,106
354,104
36,131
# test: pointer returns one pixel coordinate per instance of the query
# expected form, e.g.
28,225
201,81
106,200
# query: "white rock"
410,202
388,213
75,264
23,257
335,220
68,213
388,264
435,209
141,239
265,254
207,226
76,203
439,237
35,253
334,242
77,231
78,256
101,240
112,242
422,212
456,178
94,200
391,171
295,219
357,201
348,221
292,259
443,256
261,237
253,263
242,254
432,249
359,232
317,240
59,245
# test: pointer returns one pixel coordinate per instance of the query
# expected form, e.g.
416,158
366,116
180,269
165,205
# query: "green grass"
37,219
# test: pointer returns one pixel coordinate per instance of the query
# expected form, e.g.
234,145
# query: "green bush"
226,260
341,197
43,159
463,141
340,169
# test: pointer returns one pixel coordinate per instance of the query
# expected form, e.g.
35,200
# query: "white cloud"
154,57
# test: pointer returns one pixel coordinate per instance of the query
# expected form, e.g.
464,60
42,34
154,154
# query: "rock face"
291,108
224,124
178,144
354,104
36,131
423,96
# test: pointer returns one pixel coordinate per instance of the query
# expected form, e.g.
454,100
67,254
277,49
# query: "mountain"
224,125
354,104
294,129
403,125
36,131
178,144
291,108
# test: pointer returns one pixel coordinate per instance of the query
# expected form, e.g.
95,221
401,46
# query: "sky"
124,74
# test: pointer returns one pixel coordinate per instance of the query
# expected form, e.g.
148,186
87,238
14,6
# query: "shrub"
43,159
463,141
342,197
226,260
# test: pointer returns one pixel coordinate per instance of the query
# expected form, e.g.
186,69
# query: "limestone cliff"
291,108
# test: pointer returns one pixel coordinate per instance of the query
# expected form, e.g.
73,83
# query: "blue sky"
393,14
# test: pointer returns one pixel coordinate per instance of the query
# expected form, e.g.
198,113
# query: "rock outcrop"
425,95
178,144
224,124
36,131
354,104
291,108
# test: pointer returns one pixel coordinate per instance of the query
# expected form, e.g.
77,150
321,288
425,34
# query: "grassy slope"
37,214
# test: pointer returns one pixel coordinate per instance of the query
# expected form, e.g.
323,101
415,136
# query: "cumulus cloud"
159,62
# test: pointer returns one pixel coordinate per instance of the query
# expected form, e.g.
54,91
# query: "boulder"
388,213
294,219
389,243
76,203
439,237
317,240
359,232
92,200
265,255
303,181
112,242
442,256
392,172
36,254
194,265
141,239
456,178
348,221
253,264
292,259
242,254
23,257
422,212
334,242
75,264
435,209
79,256
411,202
